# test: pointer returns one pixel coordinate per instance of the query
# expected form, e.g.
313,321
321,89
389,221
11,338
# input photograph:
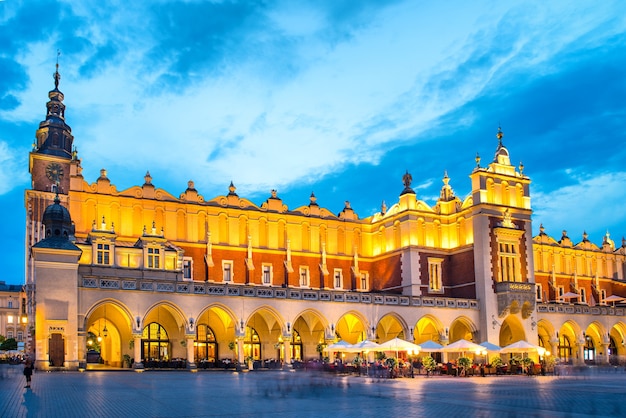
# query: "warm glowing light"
10,319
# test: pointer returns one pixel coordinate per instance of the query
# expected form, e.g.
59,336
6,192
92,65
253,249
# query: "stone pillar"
240,350
580,346
554,347
138,365
604,357
82,354
287,348
191,361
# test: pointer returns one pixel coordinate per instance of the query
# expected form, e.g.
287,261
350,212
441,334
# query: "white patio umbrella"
570,295
365,345
338,346
398,344
522,346
462,346
613,298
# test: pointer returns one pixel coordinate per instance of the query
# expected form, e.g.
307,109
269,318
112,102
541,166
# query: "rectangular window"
338,279
20,336
187,268
103,254
227,271
538,292
153,257
583,295
10,303
304,276
602,295
267,274
560,291
434,274
508,259
365,281
9,334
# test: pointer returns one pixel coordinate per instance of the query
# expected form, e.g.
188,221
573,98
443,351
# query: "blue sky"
338,98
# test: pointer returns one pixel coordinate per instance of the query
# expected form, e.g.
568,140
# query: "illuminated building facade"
13,319
155,276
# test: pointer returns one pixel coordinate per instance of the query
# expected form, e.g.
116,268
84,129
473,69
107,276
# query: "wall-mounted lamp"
533,323
332,327
447,332
288,327
494,322
138,322
241,324
191,322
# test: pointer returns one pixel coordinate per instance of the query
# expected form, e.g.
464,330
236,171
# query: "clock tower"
49,162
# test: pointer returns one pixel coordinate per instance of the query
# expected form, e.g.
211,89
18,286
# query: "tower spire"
57,76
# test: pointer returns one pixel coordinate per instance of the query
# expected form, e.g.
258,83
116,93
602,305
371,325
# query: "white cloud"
593,204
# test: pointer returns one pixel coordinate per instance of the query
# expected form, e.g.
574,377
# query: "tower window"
103,254
154,255
434,274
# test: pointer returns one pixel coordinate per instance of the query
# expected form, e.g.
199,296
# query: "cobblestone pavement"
305,394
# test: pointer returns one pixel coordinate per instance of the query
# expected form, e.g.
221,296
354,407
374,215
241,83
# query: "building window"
103,254
560,291
154,255
539,292
266,271
187,268
10,303
602,296
338,279
20,336
582,296
227,271
9,334
304,276
365,281
10,318
434,274
508,262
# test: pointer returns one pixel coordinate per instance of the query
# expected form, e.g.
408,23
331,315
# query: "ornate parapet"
514,297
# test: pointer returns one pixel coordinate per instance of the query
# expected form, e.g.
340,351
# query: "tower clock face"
54,172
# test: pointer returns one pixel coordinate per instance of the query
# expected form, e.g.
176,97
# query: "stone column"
240,350
138,365
554,347
191,361
604,357
287,348
82,354
580,346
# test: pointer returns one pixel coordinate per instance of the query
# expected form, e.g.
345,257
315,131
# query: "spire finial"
57,76
499,135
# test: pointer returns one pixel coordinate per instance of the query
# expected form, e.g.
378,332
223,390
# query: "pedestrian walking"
28,372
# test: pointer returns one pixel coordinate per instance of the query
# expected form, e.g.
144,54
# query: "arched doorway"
205,345
389,327
351,328
155,343
511,331
308,334
296,346
565,348
589,350
462,329
252,344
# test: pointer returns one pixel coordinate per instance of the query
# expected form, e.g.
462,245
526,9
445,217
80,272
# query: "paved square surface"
305,394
